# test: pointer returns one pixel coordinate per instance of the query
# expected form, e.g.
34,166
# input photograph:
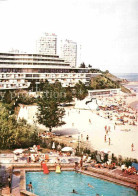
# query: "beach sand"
78,124
120,140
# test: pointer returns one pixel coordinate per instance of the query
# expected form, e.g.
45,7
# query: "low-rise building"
103,92
17,71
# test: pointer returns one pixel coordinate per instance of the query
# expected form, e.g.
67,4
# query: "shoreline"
134,105
132,83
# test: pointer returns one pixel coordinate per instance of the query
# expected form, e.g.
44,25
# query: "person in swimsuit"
90,185
30,186
73,191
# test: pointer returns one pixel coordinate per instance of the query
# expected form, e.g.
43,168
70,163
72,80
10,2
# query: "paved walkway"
117,181
15,185
4,174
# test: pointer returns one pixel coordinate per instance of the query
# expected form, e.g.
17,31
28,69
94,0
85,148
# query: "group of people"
78,165
107,130
123,113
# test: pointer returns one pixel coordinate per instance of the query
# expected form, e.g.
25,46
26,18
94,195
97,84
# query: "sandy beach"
80,123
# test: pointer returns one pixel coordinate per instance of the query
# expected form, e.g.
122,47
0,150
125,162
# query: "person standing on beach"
109,140
105,138
132,147
87,138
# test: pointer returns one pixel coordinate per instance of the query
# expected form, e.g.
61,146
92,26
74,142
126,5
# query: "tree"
69,94
89,66
57,92
15,134
7,97
49,112
103,82
80,91
82,65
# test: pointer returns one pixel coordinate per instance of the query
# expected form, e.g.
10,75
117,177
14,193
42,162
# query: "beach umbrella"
106,151
53,145
66,149
18,151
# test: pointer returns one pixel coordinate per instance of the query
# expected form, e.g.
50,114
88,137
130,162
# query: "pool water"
62,184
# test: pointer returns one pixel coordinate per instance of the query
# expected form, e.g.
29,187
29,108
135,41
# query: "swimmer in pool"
30,186
73,191
90,185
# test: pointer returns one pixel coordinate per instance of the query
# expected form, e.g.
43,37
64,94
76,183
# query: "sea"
131,77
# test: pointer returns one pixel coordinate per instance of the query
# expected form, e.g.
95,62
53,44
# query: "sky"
107,30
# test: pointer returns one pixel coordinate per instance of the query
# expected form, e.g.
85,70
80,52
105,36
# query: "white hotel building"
47,44
17,71
68,50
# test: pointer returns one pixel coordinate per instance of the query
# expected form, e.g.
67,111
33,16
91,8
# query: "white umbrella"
18,151
66,149
106,151
53,145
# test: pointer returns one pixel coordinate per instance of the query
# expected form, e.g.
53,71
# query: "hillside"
107,81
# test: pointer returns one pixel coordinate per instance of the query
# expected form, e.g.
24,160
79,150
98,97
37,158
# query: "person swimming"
90,185
30,186
73,191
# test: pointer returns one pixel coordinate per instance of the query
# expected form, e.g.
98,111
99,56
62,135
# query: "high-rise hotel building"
47,44
68,51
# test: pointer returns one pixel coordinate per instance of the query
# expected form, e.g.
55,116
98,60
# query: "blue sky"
107,30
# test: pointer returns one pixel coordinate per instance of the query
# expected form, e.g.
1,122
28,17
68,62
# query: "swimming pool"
62,184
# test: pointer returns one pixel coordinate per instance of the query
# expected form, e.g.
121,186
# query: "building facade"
104,92
47,44
17,71
68,51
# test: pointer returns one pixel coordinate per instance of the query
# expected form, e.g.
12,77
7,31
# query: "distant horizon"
124,73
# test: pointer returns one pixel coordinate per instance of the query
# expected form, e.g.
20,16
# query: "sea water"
62,184
132,77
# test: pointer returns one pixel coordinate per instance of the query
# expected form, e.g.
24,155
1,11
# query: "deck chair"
98,159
